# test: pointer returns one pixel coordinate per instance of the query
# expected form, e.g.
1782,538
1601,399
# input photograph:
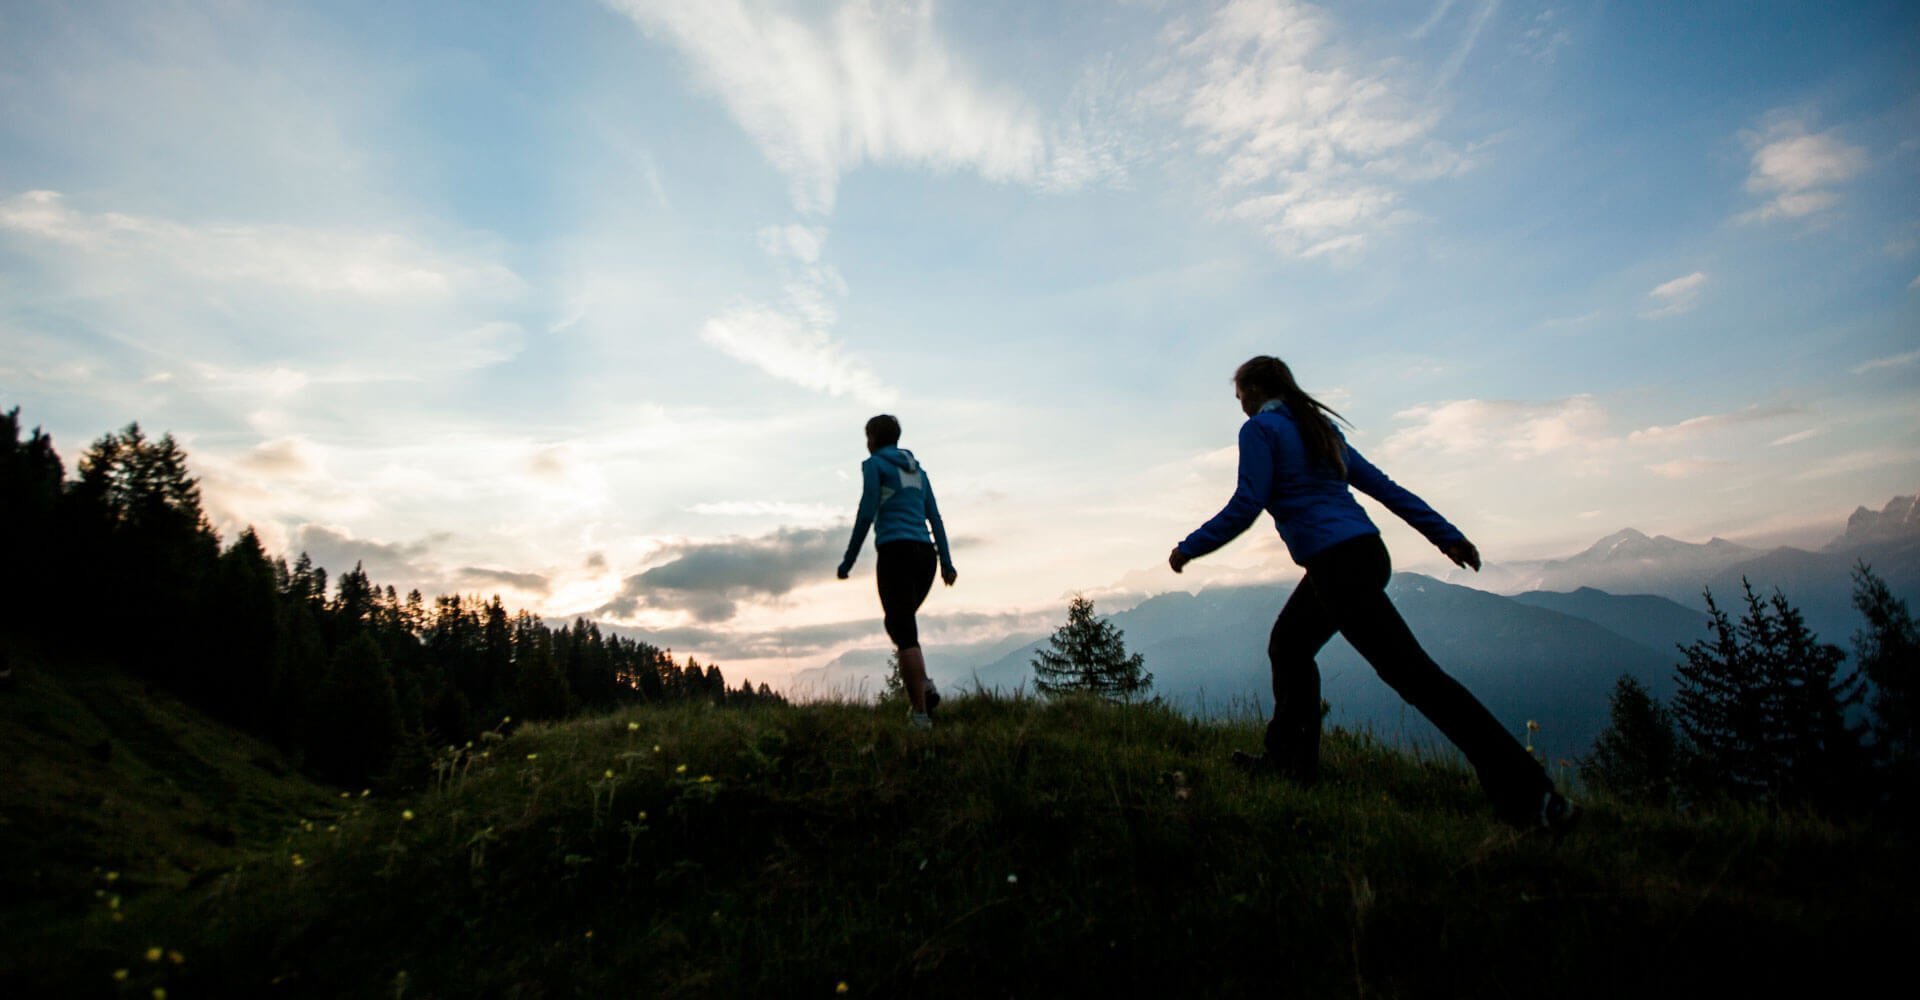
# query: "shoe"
1265,765
933,696
919,720
1558,814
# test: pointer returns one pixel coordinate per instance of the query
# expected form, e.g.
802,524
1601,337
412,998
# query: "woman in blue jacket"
896,499
1295,465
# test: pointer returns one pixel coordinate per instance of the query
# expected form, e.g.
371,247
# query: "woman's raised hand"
1463,553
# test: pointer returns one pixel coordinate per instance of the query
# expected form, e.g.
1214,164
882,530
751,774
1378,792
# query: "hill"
1542,659
1020,848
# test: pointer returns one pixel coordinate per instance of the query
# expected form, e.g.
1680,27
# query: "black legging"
1345,591
905,575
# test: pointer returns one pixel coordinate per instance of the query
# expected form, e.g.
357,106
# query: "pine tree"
356,717
1763,708
1888,651
1637,756
1088,654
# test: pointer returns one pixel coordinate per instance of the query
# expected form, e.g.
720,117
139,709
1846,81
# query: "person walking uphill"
896,499
1296,465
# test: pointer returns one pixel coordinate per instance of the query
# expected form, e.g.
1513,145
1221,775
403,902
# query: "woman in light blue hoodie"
896,500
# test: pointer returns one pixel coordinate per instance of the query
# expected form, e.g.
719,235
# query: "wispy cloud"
1687,468
785,510
362,264
1795,169
1474,426
1894,361
1460,53
1709,423
1314,147
1796,437
873,83
1671,298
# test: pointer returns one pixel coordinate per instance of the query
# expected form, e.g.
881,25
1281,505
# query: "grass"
1021,848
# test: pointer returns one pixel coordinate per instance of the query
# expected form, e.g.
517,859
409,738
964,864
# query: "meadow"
1021,848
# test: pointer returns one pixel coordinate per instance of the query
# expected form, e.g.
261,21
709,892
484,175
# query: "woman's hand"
949,574
1463,553
1178,559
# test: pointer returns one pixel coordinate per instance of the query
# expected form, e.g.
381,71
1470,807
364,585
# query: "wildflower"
120,975
306,825
486,754
118,917
533,756
1532,726
331,828
589,935
113,876
609,772
159,993
364,792
1013,879
346,795
682,769
656,748
705,778
842,988
154,953
176,958
406,815
299,861
505,719
633,727
643,815
113,902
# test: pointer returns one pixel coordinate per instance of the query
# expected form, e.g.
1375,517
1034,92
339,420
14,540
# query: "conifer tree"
1888,652
1763,708
1088,654
356,720
1637,756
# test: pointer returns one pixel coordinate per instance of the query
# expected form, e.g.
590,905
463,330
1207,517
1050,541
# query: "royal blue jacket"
1310,503
896,499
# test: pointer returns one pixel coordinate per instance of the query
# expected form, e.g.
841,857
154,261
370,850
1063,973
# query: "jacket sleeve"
1363,476
933,519
1249,496
869,507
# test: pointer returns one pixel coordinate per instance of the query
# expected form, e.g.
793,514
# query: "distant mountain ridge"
1897,523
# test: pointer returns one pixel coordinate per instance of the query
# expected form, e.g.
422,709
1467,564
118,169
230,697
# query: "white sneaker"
920,720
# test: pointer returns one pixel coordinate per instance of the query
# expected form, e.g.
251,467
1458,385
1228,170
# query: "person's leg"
1351,580
1293,736
904,575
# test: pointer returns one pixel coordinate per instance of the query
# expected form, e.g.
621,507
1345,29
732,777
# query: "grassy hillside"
1021,848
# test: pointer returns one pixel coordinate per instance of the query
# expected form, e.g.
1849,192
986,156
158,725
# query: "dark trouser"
904,573
1345,591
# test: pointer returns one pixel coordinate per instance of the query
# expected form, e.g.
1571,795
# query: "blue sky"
586,303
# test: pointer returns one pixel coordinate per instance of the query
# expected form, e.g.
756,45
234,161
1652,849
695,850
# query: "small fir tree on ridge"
1088,654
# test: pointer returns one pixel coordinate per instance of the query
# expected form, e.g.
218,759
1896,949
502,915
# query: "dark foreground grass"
1022,848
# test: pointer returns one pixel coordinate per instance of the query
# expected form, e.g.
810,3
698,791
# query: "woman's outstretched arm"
1362,475
869,508
1249,499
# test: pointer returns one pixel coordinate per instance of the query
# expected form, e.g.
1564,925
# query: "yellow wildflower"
656,748
153,954
176,958
533,756
406,815
113,902
633,727
589,935
609,772
113,876
120,975
643,815
682,769
706,778
298,861
346,795
364,792
842,988
159,993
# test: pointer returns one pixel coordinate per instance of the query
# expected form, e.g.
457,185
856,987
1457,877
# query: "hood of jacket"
899,458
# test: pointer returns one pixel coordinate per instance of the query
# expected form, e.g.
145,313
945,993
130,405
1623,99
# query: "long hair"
1267,377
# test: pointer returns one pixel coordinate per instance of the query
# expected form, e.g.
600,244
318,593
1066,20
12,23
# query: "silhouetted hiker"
1296,465
897,500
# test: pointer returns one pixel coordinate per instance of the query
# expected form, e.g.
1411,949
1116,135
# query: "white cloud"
360,264
787,348
1895,361
1674,297
871,84
1696,426
1686,468
1478,426
1313,148
801,243
1796,437
1914,284
780,509
1794,168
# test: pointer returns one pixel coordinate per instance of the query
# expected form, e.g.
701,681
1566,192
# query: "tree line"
1765,712
120,564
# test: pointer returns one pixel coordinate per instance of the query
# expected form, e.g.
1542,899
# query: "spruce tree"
1763,708
1088,654
1637,756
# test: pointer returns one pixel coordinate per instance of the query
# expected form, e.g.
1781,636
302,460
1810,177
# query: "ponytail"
1267,378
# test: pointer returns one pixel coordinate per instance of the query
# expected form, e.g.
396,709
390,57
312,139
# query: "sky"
586,303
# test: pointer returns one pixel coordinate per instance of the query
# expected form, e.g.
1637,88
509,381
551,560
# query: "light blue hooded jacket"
896,500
